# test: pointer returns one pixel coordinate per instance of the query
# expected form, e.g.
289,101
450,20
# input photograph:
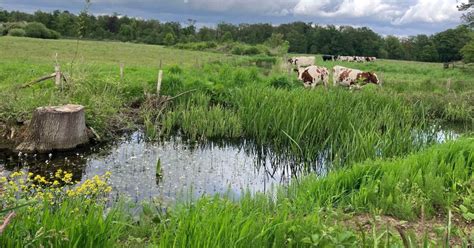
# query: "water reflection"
187,170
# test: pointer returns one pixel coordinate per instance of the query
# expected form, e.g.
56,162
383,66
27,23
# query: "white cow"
313,75
302,61
352,77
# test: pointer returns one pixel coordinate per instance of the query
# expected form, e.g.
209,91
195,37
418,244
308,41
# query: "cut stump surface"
55,128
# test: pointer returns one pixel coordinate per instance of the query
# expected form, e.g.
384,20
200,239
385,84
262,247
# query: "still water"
187,170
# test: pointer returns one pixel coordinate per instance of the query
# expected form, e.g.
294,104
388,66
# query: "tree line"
302,37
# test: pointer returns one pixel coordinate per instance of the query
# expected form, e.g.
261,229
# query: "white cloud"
267,7
347,9
385,16
397,12
430,11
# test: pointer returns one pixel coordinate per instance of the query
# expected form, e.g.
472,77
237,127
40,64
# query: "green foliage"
169,39
468,52
39,30
197,46
18,32
450,42
296,37
380,128
282,82
309,211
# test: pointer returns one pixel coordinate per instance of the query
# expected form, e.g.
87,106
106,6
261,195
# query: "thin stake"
121,71
57,71
158,83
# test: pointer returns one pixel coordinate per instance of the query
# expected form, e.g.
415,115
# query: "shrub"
175,69
17,32
282,82
238,50
54,34
39,30
252,50
468,52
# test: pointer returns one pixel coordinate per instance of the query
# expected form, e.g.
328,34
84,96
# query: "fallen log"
57,75
38,80
55,128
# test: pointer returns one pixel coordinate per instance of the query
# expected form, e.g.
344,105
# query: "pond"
187,170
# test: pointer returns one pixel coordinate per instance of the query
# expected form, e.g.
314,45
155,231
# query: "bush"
17,32
175,69
282,82
54,34
468,52
238,50
252,50
39,30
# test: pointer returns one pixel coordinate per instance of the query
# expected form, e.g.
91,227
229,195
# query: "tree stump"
55,128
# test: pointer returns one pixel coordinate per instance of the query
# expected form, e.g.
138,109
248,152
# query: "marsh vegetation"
382,164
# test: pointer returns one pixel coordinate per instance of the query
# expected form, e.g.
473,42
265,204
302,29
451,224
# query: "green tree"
468,16
226,37
429,53
449,43
382,53
126,33
169,39
393,47
468,51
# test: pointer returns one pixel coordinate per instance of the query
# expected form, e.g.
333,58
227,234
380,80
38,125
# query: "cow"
328,57
313,75
302,61
352,77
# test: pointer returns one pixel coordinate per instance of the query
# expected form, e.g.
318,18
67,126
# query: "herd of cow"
313,75
359,59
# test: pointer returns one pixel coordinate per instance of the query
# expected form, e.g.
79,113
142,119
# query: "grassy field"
379,140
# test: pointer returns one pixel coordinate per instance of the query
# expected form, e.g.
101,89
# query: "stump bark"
55,128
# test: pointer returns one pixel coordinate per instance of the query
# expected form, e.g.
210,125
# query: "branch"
38,80
180,94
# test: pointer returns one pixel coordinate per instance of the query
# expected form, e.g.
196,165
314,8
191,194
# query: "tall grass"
310,211
316,211
73,224
352,126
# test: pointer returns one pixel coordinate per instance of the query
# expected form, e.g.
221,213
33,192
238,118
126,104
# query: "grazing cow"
313,75
302,61
352,77
328,57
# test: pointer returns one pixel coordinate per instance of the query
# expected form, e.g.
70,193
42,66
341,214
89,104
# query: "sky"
386,17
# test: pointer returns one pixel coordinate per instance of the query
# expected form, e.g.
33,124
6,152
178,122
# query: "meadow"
387,176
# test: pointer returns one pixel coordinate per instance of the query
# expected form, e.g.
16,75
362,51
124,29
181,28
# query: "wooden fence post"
158,83
57,71
121,71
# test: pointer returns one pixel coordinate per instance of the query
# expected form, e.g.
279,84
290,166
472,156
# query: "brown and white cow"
302,61
313,75
352,77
